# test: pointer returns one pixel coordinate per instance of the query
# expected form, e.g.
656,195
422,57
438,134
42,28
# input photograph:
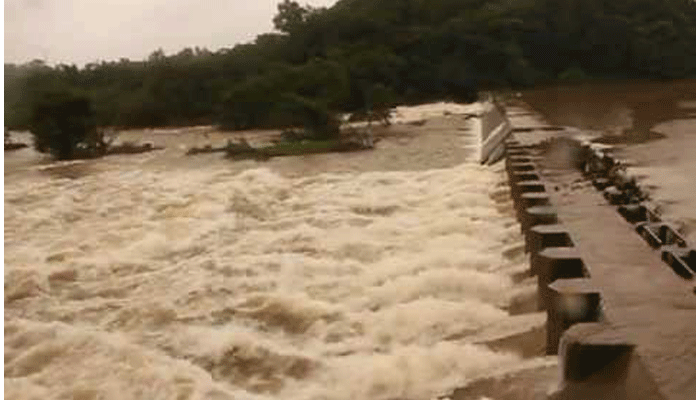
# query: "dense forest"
362,54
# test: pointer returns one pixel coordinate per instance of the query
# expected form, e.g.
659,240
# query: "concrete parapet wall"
495,128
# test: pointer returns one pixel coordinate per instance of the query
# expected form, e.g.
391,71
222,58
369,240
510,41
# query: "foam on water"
211,284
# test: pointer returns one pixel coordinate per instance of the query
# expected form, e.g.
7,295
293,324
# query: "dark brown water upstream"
625,112
651,124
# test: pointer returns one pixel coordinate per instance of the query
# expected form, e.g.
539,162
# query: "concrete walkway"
644,303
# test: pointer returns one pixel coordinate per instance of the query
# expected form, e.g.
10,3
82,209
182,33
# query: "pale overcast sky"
83,31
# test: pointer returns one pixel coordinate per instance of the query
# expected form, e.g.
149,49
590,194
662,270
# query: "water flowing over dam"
322,277
407,272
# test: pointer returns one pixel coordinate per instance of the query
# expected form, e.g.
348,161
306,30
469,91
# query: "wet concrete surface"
644,301
649,124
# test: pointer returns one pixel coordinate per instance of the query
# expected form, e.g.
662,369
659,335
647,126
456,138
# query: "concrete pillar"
520,165
517,159
539,215
556,263
528,200
517,146
540,237
572,301
659,233
516,151
511,141
597,361
680,259
635,213
532,186
521,176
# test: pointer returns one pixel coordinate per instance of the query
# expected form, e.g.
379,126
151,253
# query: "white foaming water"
422,112
404,114
212,284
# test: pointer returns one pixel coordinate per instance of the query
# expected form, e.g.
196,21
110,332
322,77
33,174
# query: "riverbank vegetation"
363,56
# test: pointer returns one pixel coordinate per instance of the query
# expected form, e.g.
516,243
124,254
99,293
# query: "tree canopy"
359,54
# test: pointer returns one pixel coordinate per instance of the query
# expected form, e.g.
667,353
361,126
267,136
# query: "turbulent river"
376,275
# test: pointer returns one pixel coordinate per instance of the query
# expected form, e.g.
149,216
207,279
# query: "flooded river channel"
386,274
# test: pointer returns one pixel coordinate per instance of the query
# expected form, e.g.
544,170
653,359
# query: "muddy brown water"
373,275
650,124
370,275
623,112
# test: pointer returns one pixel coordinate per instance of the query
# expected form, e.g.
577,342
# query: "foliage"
63,125
365,55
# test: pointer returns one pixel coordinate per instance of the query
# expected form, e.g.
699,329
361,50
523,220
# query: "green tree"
290,16
63,125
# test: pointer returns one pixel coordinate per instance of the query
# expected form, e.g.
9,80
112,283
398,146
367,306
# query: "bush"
63,125
319,122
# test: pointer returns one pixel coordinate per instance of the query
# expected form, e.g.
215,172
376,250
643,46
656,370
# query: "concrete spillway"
617,283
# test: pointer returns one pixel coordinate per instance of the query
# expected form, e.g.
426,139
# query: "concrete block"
521,176
540,237
614,195
539,215
522,172
657,234
528,200
516,151
521,164
680,259
636,213
531,186
557,263
518,159
598,362
572,301
512,142
597,165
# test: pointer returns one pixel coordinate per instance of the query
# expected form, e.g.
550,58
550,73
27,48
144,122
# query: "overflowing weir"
617,283
377,275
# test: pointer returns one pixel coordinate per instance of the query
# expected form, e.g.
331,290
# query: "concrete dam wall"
616,281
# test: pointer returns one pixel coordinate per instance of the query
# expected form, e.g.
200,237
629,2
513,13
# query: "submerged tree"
63,125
